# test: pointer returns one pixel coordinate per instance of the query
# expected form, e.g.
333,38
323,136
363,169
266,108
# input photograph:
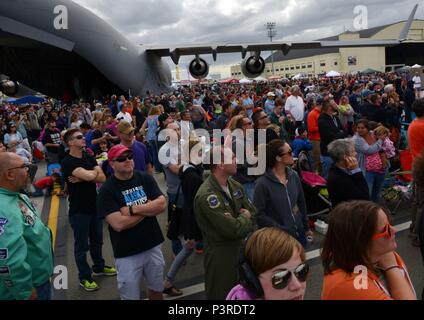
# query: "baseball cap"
125,127
271,94
366,93
116,151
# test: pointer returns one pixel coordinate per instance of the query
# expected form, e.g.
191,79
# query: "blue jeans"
249,188
326,163
176,244
375,182
44,292
152,147
302,239
88,236
178,262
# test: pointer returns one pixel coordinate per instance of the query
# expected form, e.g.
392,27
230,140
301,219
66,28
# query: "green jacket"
223,229
283,126
26,256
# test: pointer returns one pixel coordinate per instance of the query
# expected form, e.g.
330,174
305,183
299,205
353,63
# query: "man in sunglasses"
129,201
26,259
81,172
142,161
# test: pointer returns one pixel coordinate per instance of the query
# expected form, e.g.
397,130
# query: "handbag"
373,162
174,222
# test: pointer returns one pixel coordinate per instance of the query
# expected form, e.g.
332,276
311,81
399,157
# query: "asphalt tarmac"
190,278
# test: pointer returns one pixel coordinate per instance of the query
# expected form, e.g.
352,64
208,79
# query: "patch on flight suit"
213,201
4,253
238,194
29,216
4,271
3,222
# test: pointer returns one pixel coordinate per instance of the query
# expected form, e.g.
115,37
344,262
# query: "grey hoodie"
281,206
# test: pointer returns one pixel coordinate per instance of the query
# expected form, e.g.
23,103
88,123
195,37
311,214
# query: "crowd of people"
253,229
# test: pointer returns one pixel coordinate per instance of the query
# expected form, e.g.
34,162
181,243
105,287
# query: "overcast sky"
201,21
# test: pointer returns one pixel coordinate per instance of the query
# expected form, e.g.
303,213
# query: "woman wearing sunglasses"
272,267
359,258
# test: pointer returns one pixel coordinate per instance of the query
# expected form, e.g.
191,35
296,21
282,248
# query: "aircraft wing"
183,50
175,51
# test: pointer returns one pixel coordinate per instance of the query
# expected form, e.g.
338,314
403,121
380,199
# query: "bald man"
26,259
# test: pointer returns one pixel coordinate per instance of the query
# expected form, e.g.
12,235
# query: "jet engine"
198,68
253,66
9,87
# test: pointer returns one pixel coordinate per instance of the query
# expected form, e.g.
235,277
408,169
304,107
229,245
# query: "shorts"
148,264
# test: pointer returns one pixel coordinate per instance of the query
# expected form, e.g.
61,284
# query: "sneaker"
173,291
89,285
107,271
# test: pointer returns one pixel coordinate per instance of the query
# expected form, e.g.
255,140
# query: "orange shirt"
339,285
416,137
313,130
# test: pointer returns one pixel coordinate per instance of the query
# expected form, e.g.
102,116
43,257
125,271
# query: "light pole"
270,27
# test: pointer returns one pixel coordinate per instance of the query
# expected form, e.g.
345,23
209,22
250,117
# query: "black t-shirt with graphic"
82,195
115,194
52,136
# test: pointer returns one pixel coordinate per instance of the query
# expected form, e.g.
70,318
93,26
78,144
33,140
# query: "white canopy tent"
332,73
245,80
260,79
300,76
416,66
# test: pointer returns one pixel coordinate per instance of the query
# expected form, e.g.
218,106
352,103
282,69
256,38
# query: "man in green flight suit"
225,216
26,255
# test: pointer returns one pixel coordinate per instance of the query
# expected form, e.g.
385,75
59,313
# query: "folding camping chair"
398,185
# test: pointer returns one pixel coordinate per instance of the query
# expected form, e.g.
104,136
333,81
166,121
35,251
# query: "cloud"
163,22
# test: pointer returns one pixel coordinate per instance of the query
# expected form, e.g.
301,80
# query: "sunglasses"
387,233
79,137
131,132
121,159
24,166
263,117
281,279
247,123
290,152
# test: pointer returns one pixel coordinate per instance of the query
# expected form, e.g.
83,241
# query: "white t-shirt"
296,107
417,81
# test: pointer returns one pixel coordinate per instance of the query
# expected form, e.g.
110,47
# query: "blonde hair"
270,247
155,110
380,130
274,127
232,125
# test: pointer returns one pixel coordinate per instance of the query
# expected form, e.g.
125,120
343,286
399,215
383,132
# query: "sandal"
172,291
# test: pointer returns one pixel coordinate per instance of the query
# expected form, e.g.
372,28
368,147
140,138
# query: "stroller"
314,187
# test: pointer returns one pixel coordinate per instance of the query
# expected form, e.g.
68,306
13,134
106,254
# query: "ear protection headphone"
248,278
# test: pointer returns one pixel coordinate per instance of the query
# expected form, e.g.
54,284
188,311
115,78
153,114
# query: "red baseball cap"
116,151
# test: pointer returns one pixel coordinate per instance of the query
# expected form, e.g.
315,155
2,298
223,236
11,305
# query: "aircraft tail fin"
404,33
